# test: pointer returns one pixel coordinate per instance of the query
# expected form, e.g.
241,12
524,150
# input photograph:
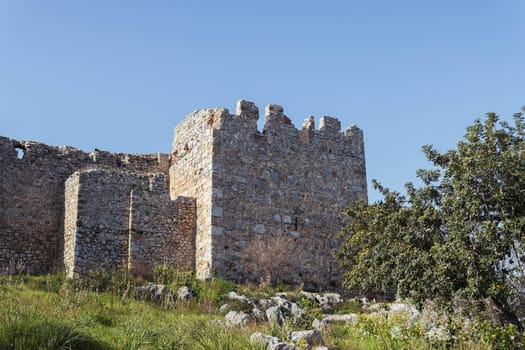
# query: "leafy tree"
459,234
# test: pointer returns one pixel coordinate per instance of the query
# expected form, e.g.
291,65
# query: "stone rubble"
242,298
350,319
184,293
260,338
275,315
310,337
283,307
283,346
155,292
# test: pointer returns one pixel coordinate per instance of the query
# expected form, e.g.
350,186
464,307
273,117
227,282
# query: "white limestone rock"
263,339
237,319
184,293
311,337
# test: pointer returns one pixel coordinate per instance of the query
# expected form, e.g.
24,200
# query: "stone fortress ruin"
196,209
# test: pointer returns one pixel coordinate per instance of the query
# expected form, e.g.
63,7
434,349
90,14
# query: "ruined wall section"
191,174
118,219
283,181
100,229
162,231
32,196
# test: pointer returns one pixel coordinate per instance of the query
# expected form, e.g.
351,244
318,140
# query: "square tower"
257,191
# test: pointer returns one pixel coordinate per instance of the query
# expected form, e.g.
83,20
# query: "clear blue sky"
119,75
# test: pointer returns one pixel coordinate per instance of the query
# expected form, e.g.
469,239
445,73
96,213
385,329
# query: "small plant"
347,307
282,331
172,277
312,310
269,258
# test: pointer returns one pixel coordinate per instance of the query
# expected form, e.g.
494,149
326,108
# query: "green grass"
47,312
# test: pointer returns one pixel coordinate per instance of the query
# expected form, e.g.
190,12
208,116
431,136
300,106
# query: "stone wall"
191,175
230,185
162,231
281,181
100,232
117,219
32,177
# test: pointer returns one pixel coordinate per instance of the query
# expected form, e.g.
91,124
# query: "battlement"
276,120
277,125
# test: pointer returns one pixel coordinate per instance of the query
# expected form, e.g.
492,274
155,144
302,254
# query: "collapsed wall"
32,177
281,181
116,219
162,231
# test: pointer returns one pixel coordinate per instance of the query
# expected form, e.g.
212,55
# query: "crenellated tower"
281,181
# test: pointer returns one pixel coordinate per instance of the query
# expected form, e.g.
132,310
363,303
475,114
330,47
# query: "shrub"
270,258
499,338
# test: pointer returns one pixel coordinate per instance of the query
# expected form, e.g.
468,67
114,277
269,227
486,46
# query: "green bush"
312,311
499,338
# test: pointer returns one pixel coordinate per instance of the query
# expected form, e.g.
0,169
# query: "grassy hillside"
106,312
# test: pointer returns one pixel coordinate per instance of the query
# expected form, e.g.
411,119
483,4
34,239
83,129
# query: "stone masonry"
278,181
199,209
116,218
32,197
